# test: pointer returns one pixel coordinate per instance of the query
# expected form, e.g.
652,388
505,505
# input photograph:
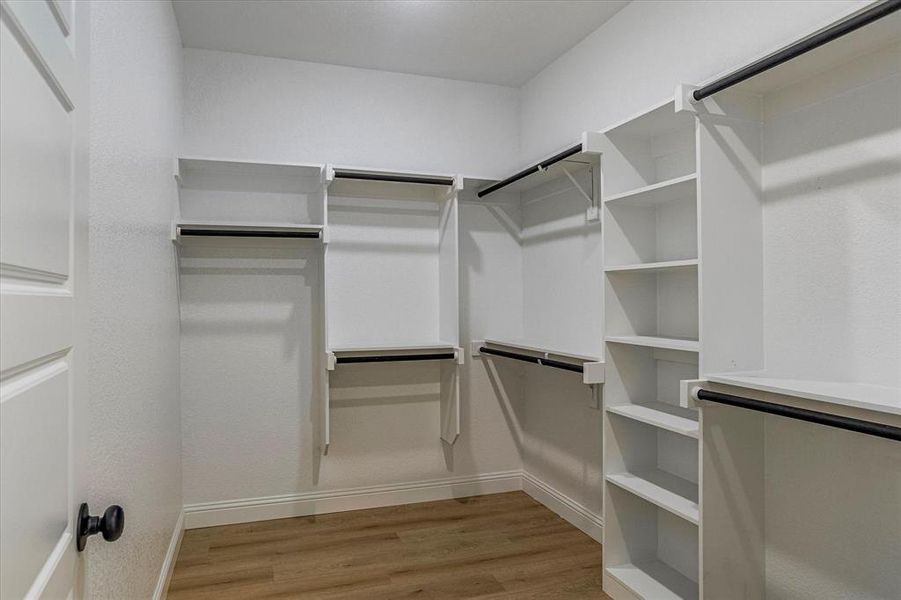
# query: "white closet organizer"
392,278
651,264
686,505
559,236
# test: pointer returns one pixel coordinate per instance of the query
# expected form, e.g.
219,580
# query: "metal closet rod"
802,414
394,358
273,233
421,179
544,362
528,171
816,40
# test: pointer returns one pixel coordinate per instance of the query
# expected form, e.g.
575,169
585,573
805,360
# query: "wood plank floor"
497,546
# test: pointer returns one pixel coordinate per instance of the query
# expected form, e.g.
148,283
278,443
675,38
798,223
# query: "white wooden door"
43,258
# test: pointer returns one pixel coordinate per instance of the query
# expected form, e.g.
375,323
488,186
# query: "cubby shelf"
665,343
653,266
654,579
679,420
670,492
654,194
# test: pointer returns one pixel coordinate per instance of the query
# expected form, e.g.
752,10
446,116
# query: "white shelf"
532,347
226,230
657,193
653,266
857,395
679,420
669,492
582,159
666,343
395,349
593,367
655,580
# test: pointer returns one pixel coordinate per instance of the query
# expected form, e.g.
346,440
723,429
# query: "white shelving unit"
651,272
392,279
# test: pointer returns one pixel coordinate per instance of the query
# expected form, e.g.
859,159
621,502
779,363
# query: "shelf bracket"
593,212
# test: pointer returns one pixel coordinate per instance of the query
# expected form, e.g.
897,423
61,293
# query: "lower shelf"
660,414
669,492
654,580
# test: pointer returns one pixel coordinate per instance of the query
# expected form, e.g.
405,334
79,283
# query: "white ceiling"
490,41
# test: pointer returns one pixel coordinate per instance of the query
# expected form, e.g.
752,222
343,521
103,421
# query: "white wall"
637,58
135,441
258,108
832,310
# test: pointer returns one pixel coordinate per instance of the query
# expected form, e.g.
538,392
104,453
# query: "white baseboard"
162,584
210,514
590,523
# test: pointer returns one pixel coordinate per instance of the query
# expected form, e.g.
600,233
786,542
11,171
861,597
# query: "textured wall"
257,108
832,310
136,421
637,58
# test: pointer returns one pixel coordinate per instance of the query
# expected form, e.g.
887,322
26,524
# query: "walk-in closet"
345,299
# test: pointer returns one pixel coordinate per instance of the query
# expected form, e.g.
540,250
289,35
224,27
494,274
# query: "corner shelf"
679,420
665,343
577,157
657,193
669,492
654,579
592,367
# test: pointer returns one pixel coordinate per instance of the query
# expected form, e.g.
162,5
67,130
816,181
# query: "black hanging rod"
812,42
421,179
394,357
802,414
253,233
533,169
535,360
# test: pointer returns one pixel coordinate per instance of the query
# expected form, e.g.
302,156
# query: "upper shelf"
875,398
233,175
186,231
576,157
393,353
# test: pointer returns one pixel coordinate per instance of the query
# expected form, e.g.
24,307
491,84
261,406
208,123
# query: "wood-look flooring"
497,546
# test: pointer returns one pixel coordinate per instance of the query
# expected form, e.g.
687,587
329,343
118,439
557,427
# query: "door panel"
40,82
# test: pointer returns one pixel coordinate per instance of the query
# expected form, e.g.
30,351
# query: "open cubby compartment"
391,265
236,192
643,384
652,231
658,465
648,153
648,552
661,304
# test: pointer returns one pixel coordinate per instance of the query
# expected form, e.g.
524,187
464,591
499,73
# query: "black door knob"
110,524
